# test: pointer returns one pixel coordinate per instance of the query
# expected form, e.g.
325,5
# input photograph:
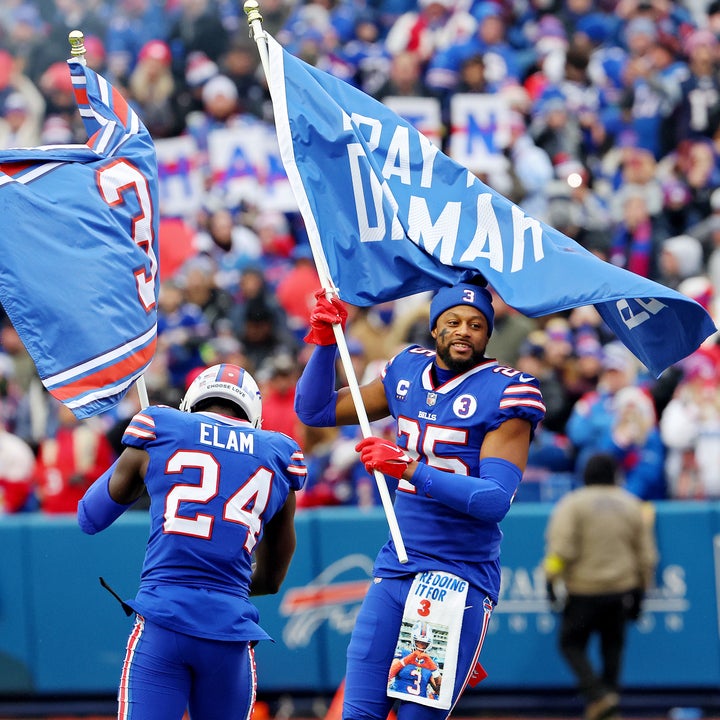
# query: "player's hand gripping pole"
77,52
254,18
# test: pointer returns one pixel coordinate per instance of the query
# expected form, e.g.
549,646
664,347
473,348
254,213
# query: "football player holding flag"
222,508
464,426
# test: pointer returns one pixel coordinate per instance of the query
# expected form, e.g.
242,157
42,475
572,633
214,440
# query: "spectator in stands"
636,444
296,291
532,169
63,17
264,332
231,246
681,257
132,25
96,55
668,71
220,110
11,395
638,233
706,230
152,90
182,330
278,377
22,106
489,40
277,243
17,465
196,27
434,26
197,71
555,129
224,348
69,461
643,95
366,55
554,383
405,78
593,214
697,165
25,33
56,87
690,428
20,124
197,278
509,333
698,110
624,424
587,362
254,289
240,64
593,414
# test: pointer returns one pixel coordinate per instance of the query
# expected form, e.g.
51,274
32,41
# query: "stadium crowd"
613,138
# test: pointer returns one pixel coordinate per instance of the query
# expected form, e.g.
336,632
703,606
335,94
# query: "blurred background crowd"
611,112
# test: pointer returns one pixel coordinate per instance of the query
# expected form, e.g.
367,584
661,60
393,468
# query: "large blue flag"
79,251
395,216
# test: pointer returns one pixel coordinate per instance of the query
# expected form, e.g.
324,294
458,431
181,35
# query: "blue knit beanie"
462,294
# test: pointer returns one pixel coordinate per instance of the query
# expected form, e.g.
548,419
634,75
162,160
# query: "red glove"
420,658
382,455
324,315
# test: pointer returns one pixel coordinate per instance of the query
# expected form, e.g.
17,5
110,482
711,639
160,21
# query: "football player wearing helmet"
422,636
222,507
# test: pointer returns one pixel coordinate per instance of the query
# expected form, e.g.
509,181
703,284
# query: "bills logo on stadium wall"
334,596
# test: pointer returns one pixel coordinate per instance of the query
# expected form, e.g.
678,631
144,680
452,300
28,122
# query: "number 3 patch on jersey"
425,662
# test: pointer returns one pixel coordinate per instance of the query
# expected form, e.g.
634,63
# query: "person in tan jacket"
600,547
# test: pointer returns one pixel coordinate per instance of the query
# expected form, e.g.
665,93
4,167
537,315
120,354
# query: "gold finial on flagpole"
252,10
254,18
77,44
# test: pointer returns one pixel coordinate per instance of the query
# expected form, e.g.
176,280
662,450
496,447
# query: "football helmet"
229,382
421,632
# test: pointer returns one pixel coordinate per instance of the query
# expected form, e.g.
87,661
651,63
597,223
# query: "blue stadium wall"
61,632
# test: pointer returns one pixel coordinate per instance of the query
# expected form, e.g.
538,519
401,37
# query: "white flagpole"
254,19
76,38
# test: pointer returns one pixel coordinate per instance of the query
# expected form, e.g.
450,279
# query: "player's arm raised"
317,402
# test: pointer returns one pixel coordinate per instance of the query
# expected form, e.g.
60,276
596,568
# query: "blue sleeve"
487,497
97,510
315,395
644,468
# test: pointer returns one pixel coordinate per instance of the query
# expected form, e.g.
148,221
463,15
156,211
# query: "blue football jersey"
414,678
444,425
213,482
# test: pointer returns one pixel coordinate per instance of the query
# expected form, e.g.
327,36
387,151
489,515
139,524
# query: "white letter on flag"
487,231
444,231
521,223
